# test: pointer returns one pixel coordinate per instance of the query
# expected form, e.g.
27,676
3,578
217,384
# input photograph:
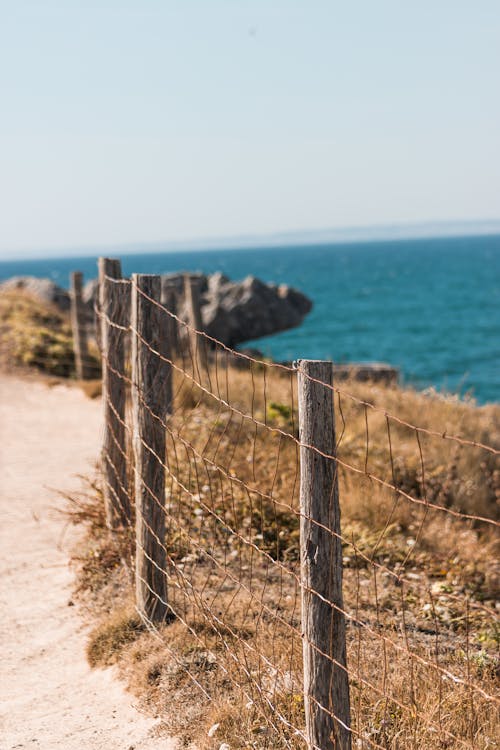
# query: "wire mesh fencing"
324,563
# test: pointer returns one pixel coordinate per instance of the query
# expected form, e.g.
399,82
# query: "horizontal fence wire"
419,507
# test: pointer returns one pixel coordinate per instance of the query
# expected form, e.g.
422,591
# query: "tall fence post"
326,684
79,327
169,302
198,343
151,403
113,312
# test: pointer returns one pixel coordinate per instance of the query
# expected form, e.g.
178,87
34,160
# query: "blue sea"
427,306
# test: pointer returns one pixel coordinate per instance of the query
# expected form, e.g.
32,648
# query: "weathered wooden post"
151,405
326,685
114,316
169,302
198,343
79,327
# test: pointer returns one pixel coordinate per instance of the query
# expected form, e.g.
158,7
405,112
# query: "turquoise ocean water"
427,306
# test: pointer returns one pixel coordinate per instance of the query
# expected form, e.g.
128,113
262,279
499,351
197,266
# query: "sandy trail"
49,697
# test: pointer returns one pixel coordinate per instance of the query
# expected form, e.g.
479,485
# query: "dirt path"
49,697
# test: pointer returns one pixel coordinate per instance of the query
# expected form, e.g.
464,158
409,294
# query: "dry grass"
109,639
232,539
36,335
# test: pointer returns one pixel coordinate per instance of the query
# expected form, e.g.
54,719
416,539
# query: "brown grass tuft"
109,638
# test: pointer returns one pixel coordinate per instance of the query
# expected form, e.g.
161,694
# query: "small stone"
213,730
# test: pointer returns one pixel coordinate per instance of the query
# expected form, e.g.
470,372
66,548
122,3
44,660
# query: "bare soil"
49,696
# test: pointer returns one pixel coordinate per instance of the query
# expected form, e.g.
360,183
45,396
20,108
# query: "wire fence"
379,630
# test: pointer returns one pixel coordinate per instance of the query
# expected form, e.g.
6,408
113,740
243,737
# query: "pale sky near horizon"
147,120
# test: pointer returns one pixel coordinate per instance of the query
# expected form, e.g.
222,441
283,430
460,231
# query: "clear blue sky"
145,120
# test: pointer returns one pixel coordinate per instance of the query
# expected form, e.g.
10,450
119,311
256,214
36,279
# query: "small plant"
280,414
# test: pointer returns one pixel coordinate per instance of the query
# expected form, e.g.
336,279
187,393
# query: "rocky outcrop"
44,290
232,311
236,311
373,372
89,293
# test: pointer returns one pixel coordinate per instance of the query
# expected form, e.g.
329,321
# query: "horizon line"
337,235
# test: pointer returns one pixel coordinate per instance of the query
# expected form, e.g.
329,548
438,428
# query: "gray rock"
89,293
374,372
176,281
234,311
43,289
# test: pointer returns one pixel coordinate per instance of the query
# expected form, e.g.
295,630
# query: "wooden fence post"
326,684
198,343
151,403
169,302
114,314
79,327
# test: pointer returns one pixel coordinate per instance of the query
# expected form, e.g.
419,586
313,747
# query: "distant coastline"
293,238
